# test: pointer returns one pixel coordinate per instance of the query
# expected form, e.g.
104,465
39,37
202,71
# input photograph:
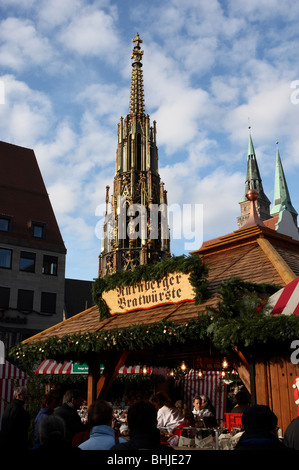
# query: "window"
27,262
48,302
5,258
38,230
50,265
25,300
5,224
4,297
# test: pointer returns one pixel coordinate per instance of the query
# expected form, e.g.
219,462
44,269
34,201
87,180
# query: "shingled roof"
256,254
22,186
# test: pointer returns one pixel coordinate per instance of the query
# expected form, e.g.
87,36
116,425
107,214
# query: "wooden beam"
93,376
278,262
243,369
110,372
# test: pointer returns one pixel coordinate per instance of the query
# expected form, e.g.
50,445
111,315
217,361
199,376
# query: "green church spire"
282,198
253,181
253,174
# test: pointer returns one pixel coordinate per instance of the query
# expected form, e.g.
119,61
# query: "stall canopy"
10,377
138,369
135,370
49,366
286,300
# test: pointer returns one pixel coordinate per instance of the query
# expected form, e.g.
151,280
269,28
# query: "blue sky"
210,68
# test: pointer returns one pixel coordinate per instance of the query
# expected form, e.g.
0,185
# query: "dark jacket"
72,420
145,439
291,435
41,414
14,428
261,440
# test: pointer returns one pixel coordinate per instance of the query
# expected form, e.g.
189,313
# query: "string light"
183,366
224,363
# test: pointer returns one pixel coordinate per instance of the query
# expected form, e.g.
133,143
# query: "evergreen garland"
185,264
240,319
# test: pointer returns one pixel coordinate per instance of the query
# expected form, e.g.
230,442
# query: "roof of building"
256,254
24,199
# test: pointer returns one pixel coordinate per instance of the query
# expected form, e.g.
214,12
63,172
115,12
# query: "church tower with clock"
135,230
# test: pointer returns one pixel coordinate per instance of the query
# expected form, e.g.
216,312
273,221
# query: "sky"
211,69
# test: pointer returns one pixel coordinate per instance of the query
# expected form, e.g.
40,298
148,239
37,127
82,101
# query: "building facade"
136,230
32,252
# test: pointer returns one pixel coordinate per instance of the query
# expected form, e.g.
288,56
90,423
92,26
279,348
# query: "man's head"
21,394
73,398
51,429
100,413
142,415
259,418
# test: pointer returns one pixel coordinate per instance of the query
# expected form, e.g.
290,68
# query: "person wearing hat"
259,430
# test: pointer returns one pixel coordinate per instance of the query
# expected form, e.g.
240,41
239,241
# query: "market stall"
10,377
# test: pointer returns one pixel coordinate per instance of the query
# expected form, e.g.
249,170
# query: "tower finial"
137,99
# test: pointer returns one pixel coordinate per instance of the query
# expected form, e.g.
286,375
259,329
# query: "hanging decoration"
236,321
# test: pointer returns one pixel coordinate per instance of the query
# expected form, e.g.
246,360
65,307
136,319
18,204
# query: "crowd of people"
61,428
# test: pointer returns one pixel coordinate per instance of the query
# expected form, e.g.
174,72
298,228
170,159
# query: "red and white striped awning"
134,370
211,384
286,300
49,366
10,377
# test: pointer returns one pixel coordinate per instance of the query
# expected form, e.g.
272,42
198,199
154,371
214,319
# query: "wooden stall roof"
256,253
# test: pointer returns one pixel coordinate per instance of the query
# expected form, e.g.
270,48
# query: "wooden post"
93,375
110,372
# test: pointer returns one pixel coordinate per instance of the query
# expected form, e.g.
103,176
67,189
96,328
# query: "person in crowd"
196,411
52,435
68,411
99,421
291,435
144,434
242,402
48,404
207,409
188,415
168,416
179,405
15,423
260,424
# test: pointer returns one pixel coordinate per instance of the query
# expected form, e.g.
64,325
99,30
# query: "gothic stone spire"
137,187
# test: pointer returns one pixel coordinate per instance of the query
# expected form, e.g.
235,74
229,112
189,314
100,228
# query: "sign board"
171,289
79,368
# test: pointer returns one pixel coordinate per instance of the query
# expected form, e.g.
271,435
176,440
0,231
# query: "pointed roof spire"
253,176
137,98
250,144
282,198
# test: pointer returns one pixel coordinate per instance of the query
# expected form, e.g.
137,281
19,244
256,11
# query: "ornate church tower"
253,181
136,230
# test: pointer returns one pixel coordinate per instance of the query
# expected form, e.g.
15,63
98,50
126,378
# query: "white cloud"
26,114
21,45
92,33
